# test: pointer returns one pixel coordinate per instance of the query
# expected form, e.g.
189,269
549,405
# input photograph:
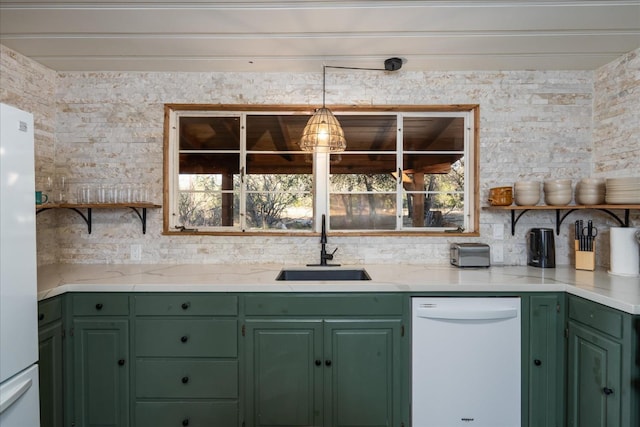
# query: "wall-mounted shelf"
569,209
139,208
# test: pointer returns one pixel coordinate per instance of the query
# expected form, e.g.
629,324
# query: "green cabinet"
603,373
50,365
363,378
544,361
101,360
186,360
284,372
306,370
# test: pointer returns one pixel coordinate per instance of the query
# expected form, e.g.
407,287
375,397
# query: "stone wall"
109,128
616,117
534,125
29,86
616,128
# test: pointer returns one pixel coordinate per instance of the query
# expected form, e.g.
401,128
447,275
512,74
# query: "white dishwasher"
466,362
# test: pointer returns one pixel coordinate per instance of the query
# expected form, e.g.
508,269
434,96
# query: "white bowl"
592,181
558,181
560,193
527,199
527,184
590,199
557,200
556,186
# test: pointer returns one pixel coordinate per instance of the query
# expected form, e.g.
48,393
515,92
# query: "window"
239,170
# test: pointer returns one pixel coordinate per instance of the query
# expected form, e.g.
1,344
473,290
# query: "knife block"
585,260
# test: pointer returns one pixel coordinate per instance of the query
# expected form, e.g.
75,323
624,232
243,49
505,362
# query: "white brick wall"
534,125
27,85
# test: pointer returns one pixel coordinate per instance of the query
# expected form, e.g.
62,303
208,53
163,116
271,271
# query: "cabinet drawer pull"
121,362
537,362
327,362
185,380
99,306
608,391
185,422
184,338
185,305
318,362
40,317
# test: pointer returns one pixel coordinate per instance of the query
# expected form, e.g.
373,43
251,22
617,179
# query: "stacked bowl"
590,191
557,192
623,190
527,193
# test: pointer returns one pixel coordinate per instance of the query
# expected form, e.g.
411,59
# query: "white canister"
625,251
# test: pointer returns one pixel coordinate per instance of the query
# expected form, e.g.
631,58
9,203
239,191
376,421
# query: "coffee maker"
541,248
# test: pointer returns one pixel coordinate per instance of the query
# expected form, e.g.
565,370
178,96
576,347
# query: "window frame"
321,167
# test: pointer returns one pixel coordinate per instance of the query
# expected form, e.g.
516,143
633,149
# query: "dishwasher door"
466,360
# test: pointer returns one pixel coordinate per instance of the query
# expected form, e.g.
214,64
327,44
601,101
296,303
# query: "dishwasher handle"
467,313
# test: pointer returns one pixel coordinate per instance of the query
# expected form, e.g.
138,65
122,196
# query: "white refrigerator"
18,288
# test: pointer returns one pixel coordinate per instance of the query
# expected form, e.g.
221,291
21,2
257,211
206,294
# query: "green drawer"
186,305
193,414
186,378
186,337
599,317
100,304
49,311
324,305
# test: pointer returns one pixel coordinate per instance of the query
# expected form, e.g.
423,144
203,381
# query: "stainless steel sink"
323,274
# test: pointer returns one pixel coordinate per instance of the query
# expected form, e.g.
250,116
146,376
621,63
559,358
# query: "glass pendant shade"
323,133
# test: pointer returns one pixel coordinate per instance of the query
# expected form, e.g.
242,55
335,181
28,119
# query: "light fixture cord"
324,76
324,82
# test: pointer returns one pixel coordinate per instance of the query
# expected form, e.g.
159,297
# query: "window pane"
209,133
279,164
362,211
369,132
438,210
376,164
433,134
362,182
274,132
279,202
209,183
434,200
222,163
208,209
431,163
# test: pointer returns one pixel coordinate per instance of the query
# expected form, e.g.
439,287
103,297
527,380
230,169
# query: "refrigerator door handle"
466,313
9,397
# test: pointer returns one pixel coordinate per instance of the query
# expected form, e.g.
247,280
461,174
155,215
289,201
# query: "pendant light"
323,132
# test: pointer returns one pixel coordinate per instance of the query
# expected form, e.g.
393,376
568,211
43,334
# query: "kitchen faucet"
324,256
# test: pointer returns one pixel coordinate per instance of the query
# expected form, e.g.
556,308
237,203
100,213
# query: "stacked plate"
623,190
558,192
590,191
527,193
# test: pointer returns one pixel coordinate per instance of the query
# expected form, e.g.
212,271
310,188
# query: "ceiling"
302,35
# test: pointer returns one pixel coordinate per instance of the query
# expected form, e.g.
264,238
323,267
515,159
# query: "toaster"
470,254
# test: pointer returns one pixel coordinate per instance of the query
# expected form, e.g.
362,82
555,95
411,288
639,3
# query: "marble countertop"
622,293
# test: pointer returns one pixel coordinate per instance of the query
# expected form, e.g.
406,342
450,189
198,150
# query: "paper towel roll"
625,251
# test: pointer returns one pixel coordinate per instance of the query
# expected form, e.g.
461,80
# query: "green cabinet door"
101,372
362,373
594,380
545,361
284,373
50,375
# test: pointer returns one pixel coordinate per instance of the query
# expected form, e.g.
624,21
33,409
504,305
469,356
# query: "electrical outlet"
497,254
498,231
136,252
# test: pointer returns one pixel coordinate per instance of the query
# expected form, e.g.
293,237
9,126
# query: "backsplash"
108,127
